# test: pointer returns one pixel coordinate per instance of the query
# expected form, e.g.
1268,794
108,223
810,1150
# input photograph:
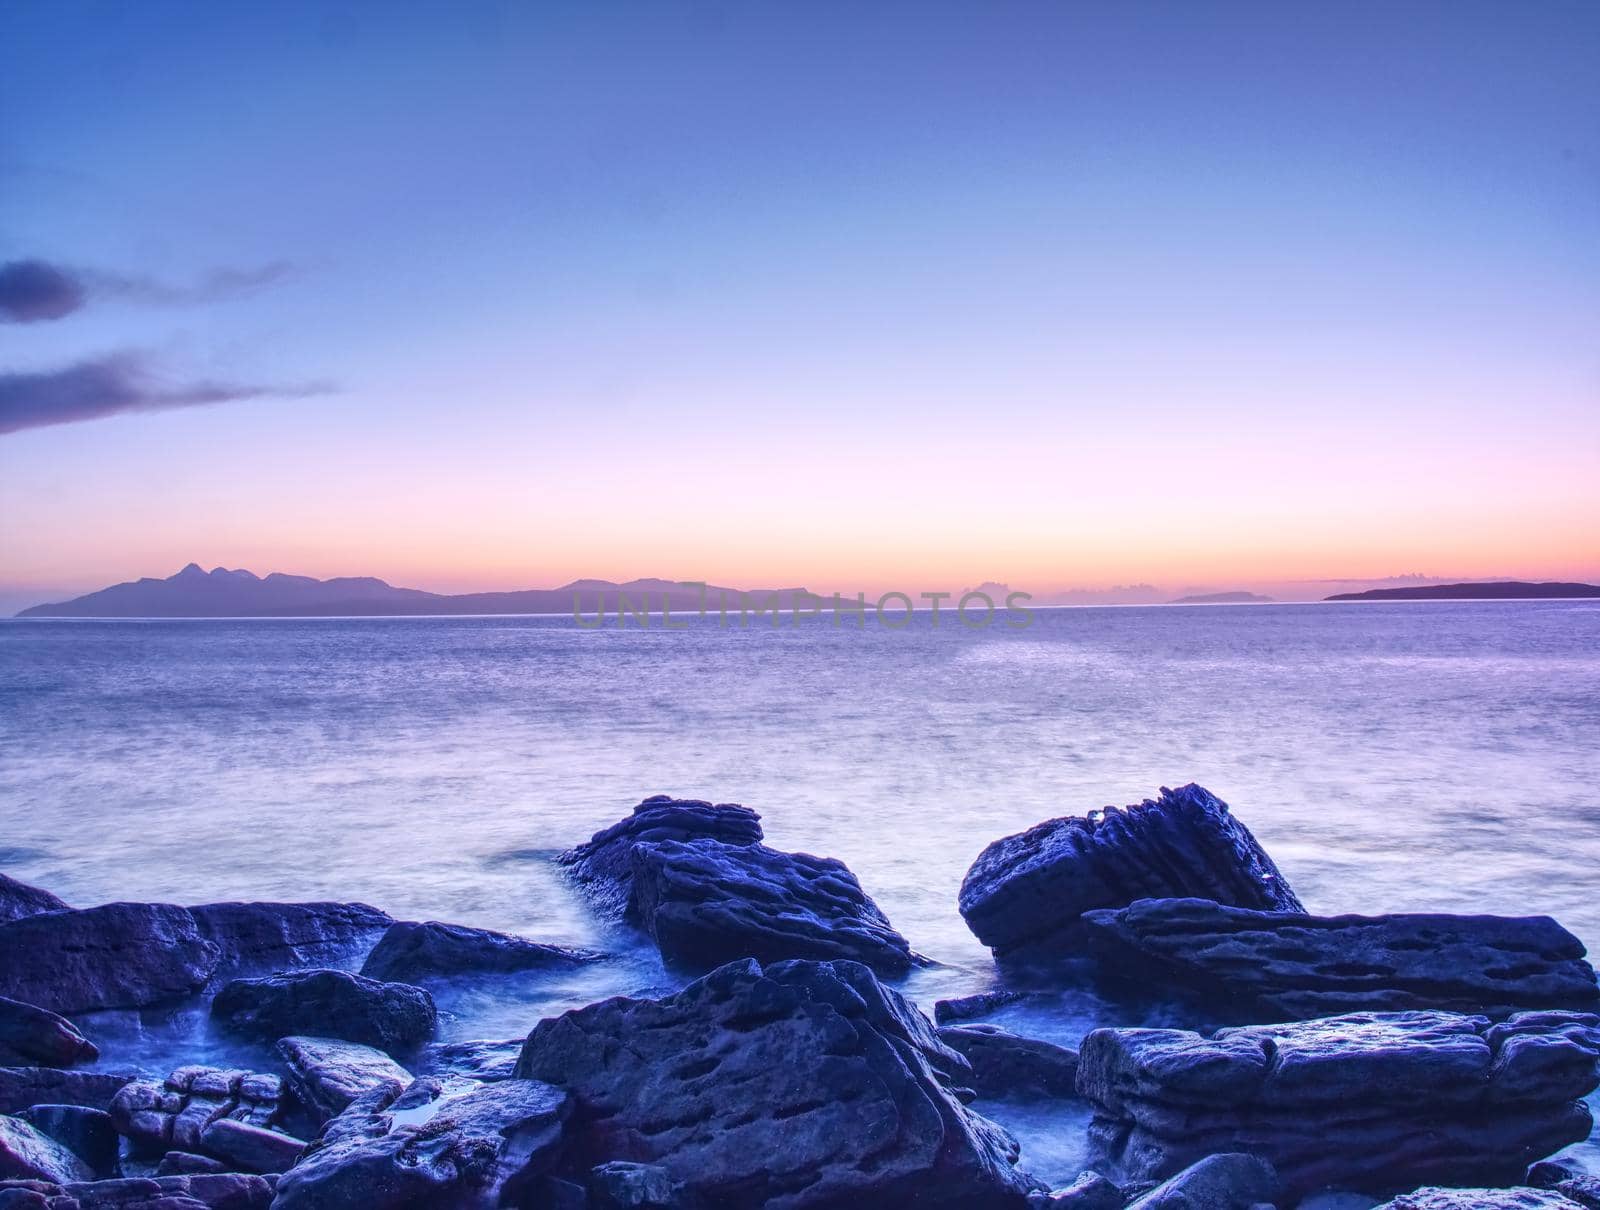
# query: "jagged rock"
1229,1181
1368,1102
28,1154
223,1191
283,936
326,1074
1283,966
705,903
1090,1191
173,1114
1024,895
477,1060
120,955
179,1163
1481,1199
431,1151
32,1035
87,1133
604,865
21,1087
1007,1064
620,1185
412,952
18,899
248,1148
806,1084
966,1008
331,1003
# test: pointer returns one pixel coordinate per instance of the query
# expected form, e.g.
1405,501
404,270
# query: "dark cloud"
34,290
107,386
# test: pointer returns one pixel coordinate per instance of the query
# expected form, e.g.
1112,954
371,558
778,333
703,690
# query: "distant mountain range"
1497,590
220,593
1224,598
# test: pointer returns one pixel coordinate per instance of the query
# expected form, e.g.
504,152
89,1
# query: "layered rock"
807,1084
18,899
409,953
428,1150
21,1087
27,1153
705,903
175,1113
32,1035
1482,1199
1025,894
223,1191
282,936
339,1004
326,1074
1283,966
1370,1102
1007,1064
603,866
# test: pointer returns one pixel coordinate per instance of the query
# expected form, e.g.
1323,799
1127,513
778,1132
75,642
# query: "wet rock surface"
1481,1199
326,1074
1025,894
804,1084
18,899
173,1114
333,1003
222,1191
705,902
1268,966
409,953
1007,1064
1090,1191
478,1059
87,1133
1371,1102
1229,1181
603,865
31,1035
281,936
27,1153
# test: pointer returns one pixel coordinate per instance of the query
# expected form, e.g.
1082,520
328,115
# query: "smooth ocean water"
1406,756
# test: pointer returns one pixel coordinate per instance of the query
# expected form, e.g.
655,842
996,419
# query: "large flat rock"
1372,1102
413,952
1025,894
1283,966
282,936
804,1084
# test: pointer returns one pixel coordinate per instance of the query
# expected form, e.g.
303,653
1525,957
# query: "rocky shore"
1414,1061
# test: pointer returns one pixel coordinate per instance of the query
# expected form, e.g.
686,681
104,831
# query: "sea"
1394,756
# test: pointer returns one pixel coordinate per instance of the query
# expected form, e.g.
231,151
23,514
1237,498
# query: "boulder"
326,1074
179,1163
410,953
1230,1181
247,1148
31,1035
477,1060
120,955
429,1150
18,899
1005,1064
1481,1199
604,865
1367,1102
174,1114
87,1133
1090,1191
284,936
807,1084
1024,895
28,1154
1567,1180
1282,966
330,1003
21,1087
705,902
222,1191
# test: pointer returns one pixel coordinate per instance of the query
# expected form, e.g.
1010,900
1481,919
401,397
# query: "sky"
1070,294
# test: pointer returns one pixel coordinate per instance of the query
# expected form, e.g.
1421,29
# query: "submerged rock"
282,936
29,1154
327,1074
427,1150
174,1114
18,899
120,955
87,1133
1007,1064
431,950
1230,1181
29,1035
1024,895
603,865
806,1084
966,1008
339,1004
1481,1199
1283,966
1370,1102
223,1191
21,1087
705,903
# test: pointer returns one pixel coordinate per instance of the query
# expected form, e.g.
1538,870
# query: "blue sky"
1057,293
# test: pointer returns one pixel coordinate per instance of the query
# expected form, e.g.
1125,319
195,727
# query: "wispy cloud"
36,290
109,386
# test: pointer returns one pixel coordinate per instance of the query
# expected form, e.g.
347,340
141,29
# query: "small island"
1224,598
1495,590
